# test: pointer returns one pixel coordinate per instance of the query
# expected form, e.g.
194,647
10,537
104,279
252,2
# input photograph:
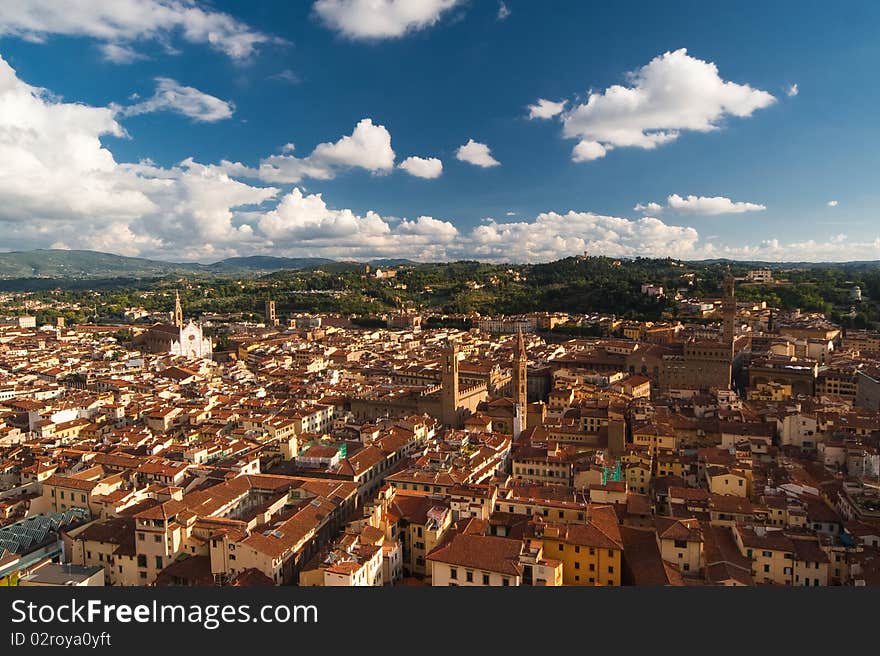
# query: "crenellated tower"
728,312
450,392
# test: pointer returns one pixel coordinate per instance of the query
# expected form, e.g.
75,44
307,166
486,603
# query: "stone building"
185,339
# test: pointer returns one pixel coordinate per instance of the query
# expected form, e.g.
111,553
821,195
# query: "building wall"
445,575
687,554
580,564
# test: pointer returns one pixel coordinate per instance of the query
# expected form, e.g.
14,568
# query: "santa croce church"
179,338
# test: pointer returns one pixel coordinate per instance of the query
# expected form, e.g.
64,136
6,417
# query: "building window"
158,562
485,579
453,573
469,577
157,538
505,581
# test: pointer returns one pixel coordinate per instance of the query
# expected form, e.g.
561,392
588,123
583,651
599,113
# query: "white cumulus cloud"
303,223
422,167
648,208
121,22
120,54
476,153
368,147
673,93
380,19
552,235
171,96
832,203
586,150
711,205
792,90
546,108
60,185
503,11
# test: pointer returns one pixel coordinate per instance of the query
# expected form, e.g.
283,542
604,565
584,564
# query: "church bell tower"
520,385
178,310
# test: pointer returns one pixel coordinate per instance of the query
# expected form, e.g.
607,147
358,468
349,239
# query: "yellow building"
769,392
681,543
591,553
655,437
475,560
722,480
419,523
771,554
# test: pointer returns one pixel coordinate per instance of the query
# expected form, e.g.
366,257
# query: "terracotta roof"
642,561
484,552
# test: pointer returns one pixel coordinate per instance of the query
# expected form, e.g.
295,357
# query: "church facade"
180,338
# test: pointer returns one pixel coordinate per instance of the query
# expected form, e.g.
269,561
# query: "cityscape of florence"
605,312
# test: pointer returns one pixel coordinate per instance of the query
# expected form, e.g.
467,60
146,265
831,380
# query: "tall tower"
728,312
520,363
449,403
271,318
520,385
178,310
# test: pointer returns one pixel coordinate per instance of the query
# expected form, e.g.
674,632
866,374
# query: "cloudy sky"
440,129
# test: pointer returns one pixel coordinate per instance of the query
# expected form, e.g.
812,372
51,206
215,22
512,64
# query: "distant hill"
764,264
82,264
392,262
52,264
71,264
265,263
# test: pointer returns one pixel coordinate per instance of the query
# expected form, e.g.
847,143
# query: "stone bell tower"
450,398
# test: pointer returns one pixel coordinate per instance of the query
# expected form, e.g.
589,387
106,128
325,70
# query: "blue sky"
159,128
